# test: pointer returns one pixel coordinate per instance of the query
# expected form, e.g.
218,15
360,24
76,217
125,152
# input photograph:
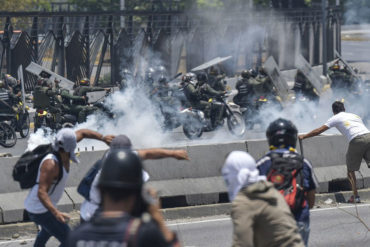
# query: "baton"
301,146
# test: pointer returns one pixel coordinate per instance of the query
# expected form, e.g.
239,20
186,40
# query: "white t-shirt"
88,207
348,124
33,203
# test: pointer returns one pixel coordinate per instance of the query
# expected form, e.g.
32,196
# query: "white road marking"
344,207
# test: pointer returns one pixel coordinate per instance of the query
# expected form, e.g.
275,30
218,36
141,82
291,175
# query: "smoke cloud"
140,119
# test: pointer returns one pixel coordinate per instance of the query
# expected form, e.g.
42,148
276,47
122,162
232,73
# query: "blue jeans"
50,226
304,230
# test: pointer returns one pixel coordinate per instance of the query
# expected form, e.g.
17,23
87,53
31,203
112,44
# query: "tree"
24,5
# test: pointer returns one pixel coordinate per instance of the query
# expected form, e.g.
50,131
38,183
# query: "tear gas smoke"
141,120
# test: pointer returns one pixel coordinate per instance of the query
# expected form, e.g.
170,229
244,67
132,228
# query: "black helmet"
245,74
126,72
121,169
282,133
202,77
253,72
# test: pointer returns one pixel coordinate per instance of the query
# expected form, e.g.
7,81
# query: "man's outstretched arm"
314,132
90,134
160,153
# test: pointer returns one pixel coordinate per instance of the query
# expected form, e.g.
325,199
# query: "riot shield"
302,65
279,82
95,96
346,64
38,70
21,78
210,63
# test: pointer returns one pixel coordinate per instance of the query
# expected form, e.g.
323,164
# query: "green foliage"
24,5
210,3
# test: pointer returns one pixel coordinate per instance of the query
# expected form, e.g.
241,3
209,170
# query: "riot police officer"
216,80
245,90
72,104
127,78
84,88
303,86
206,92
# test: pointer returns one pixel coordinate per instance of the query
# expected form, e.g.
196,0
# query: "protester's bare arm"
155,212
48,173
314,132
160,153
311,198
90,134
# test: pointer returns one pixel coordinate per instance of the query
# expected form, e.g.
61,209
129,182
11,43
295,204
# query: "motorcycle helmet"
335,67
189,77
149,73
126,72
282,133
85,82
245,74
253,72
121,169
162,70
202,77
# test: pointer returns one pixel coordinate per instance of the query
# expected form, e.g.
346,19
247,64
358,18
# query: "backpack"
286,173
85,185
27,167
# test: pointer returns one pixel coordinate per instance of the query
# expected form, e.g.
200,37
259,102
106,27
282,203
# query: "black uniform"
303,86
245,92
108,232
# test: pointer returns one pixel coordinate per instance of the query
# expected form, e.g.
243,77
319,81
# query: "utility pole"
324,4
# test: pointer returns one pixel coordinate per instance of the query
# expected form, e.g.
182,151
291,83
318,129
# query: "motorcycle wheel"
192,128
67,125
37,123
236,124
24,125
8,137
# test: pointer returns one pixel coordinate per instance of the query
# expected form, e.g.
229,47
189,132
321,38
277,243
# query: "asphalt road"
356,51
330,227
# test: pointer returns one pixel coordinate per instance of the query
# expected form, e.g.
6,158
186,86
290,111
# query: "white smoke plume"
137,117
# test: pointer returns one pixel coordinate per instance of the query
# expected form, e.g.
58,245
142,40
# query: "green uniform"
83,90
217,109
342,79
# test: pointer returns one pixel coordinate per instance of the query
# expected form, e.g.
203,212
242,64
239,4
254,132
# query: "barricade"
183,183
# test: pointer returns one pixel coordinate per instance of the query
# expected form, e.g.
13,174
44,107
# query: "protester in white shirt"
358,136
43,197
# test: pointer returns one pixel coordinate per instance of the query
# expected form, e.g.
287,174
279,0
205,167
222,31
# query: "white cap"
239,171
66,139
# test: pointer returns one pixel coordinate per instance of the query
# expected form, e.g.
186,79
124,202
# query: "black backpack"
286,173
26,169
85,185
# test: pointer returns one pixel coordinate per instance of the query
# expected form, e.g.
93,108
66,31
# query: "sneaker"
354,200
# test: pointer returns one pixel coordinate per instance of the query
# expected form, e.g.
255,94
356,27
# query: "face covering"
239,171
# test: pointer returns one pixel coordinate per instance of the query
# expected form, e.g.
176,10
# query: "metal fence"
99,45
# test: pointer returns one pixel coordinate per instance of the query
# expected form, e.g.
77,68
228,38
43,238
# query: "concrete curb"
27,228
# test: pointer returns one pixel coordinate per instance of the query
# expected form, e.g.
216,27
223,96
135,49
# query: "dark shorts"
358,149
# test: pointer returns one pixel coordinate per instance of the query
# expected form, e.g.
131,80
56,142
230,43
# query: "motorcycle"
8,137
18,119
251,111
195,122
53,117
21,121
